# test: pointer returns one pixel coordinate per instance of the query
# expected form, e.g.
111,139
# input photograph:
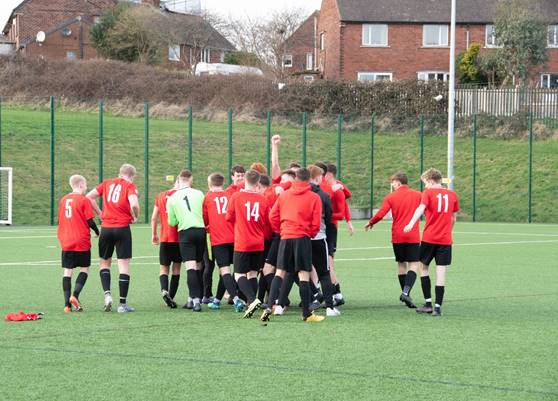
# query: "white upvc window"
433,76
190,56
435,35
206,55
322,41
375,76
71,55
222,57
549,81
309,61
375,35
288,60
174,52
553,36
491,41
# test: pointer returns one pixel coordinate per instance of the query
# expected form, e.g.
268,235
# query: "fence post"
268,143
474,168
52,133
101,143
372,134
190,136
0,132
339,139
530,166
304,137
230,142
421,151
146,160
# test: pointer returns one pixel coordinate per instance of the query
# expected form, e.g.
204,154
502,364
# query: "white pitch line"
29,237
458,244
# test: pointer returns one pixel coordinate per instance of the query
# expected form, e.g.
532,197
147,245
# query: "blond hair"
432,175
76,180
127,170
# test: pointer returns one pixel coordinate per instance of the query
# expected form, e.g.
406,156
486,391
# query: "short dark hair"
216,179
332,169
252,177
289,172
401,177
303,174
185,174
238,169
265,181
294,165
321,165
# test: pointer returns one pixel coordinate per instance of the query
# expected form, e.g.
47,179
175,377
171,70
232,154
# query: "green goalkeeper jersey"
185,209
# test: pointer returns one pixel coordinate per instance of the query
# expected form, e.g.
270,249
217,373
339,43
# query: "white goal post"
6,195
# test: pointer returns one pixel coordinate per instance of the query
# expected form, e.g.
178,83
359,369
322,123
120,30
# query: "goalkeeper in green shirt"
184,210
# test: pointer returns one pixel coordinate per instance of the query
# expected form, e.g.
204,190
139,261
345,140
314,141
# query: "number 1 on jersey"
445,199
221,204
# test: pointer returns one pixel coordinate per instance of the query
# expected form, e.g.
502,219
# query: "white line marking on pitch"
458,244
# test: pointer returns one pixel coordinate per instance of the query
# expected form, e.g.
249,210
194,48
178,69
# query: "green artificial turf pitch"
497,339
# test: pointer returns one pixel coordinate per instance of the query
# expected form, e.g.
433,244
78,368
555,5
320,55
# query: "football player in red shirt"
169,251
75,218
249,212
297,217
237,178
402,202
440,206
221,234
120,209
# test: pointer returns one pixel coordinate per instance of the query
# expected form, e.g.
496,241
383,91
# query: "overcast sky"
233,8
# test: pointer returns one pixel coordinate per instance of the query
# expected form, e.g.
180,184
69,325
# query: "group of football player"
264,232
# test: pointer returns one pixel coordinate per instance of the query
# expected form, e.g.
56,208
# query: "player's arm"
231,212
154,224
347,216
453,219
416,216
328,212
316,218
89,215
93,195
338,205
134,206
274,218
93,226
205,213
380,214
275,168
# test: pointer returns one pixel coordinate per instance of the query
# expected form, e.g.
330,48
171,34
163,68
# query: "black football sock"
401,278
208,279
286,289
220,289
269,280
275,290
305,297
194,285
426,290
262,288
439,291
80,283
254,284
246,289
315,291
410,278
337,288
124,284
229,285
67,288
105,279
328,289
175,280
164,280
200,280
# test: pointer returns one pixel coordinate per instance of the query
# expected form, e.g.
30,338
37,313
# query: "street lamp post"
451,98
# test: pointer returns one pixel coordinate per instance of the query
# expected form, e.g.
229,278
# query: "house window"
374,35
322,41
491,40
71,55
433,76
190,56
308,78
206,55
174,53
222,57
435,35
309,61
288,60
96,19
375,76
553,36
549,81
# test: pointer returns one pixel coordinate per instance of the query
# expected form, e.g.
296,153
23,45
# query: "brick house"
300,49
372,40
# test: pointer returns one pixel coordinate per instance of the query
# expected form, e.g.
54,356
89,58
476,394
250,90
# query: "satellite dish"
41,36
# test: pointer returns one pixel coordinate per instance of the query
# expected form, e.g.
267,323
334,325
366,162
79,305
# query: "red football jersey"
116,208
440,204
249,212
233,188
73,231
168,233
215,207
402,204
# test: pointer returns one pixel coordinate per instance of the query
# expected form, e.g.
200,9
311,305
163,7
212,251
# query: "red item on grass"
22,316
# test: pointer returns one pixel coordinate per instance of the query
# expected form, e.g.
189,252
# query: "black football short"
441,253
295,255
115,237
245,262
169,252
223,254
331,234
192,243
271,257
73,259
320,259
406,252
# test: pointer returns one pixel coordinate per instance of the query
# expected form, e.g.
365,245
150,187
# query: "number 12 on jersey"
252,211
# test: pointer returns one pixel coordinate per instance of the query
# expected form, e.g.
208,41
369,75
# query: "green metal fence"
510,179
